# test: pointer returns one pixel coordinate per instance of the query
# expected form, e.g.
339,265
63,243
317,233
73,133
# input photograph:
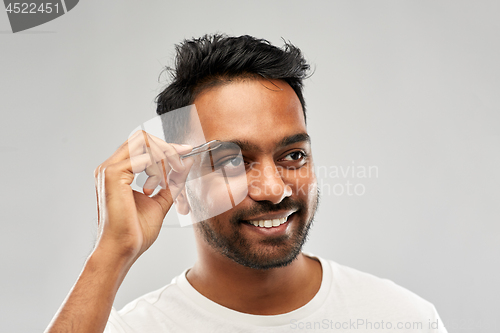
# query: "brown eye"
295,156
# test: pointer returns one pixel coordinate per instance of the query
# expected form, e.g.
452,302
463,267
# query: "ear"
181,203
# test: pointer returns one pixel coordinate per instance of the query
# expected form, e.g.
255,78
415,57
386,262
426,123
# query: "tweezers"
203,148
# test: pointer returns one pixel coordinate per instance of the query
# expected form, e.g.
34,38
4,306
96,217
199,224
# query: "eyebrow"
296,138
248,146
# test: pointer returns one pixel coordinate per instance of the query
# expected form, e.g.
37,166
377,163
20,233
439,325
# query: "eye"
294,159
235,161
295,156
231,162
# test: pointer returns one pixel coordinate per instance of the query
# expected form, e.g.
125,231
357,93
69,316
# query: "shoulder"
360,290
146,310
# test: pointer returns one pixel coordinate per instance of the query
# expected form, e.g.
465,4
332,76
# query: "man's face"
266,120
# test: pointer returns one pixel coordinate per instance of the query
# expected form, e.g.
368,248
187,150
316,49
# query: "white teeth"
269,223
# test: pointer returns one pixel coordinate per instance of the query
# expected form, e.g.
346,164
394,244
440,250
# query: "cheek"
219,195
313,191
302,181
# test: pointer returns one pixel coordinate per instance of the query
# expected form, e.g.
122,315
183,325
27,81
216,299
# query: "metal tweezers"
203,148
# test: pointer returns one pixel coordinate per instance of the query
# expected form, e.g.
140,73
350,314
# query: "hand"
130,221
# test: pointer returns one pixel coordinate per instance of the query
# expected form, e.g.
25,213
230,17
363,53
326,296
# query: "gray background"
408,86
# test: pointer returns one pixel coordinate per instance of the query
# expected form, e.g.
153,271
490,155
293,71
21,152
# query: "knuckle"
171,149
138,132
108,171
138,136
97,171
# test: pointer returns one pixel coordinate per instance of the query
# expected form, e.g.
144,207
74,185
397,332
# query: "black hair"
216,59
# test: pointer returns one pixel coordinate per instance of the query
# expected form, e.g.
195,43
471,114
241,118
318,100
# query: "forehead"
258,111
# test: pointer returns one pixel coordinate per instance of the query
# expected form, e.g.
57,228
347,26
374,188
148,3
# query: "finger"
164,199
122,172
164,152
138,143
151,184
172,154
158,175
165,167
98,205
100,194
165,170
150,146
180,148
134,146
156,155
177,180
141,142
153,169
158,170
172,151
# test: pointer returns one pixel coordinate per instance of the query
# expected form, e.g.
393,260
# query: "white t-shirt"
347,301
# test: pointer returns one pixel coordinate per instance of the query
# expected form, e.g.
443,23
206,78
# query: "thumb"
181,149
176,182
164,199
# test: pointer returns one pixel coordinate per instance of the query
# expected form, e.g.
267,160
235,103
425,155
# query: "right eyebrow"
243,144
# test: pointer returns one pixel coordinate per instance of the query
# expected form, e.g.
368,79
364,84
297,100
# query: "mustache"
265,207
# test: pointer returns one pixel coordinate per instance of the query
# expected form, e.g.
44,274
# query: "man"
250,275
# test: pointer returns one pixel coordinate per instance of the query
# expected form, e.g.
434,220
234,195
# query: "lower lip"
278,230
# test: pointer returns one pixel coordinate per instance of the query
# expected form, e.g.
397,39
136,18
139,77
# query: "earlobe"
181,203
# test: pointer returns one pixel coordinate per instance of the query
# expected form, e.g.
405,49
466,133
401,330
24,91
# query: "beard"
272,252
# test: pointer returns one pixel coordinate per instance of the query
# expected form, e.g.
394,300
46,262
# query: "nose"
265,183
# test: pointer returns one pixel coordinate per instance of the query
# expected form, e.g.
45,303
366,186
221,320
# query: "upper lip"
277,215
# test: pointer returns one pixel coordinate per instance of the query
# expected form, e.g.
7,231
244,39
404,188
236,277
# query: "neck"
260,292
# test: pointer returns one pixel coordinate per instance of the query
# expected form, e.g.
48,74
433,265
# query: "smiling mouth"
268,223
